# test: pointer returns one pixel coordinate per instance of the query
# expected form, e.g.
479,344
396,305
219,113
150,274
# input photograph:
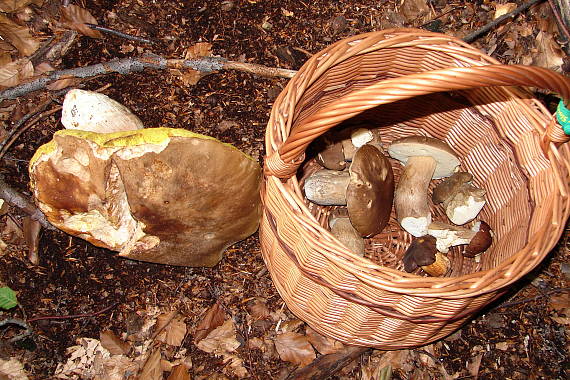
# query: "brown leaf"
174,329
236,366
322,343
42,68
18,36
295,348
258,309
188,77
180,372
214,317
15,72
550,55
113,343
13,5
560,302
63,83
474,365
75,17
222,340
12,233
31,231
201,49
152,369
503,9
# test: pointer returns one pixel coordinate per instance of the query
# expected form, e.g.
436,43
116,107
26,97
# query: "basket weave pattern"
410,82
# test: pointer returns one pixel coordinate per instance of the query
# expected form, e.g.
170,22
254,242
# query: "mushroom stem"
343,230
327,187
411,196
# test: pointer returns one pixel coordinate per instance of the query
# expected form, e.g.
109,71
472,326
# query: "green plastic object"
563,116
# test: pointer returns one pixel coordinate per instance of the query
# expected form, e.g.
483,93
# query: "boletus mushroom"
423,253
359,137
461,200
424,158
160,195
481,241
342,229
95,112
366,189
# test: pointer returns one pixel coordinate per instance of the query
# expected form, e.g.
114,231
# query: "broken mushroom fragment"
330,154
481,241
421,252
162,195
358,138
370,192
343,230
95,112
461,200
424,158
448,235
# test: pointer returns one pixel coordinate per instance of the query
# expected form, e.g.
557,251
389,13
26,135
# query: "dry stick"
524,300
16,199
18,322
327,365
73,316
119,34
478,33
561,23
129,65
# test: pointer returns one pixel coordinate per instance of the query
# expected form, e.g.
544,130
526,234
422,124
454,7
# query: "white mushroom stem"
343,230
411,196
327,187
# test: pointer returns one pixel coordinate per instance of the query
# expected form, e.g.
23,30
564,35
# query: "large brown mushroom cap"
161,195
370,192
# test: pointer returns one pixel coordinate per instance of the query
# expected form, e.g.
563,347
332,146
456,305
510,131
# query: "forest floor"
147,319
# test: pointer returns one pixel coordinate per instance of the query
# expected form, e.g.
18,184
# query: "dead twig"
154,62
524,300
13,197
493,24
73,316
559,20
119,34
18,322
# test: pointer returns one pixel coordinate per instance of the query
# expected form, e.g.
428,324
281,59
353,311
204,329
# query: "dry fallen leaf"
214,317
13,73
322,343
221,340
503,9
63,83
113,343
180,372
188,77
152,369
14,5
550,55
173,329
235,366
18,36
75,17
201,49
32,230
258,309
295,348
473,366
12,369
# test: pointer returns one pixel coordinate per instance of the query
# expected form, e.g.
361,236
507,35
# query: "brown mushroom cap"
330,154
421,252
414,146
160,195
449,186
370,192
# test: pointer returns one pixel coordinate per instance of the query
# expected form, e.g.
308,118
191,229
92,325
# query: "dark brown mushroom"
421,252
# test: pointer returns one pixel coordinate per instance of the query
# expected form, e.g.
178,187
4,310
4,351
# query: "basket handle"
284,162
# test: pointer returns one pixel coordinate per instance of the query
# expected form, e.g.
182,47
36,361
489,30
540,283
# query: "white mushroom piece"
161,195
95,112
461,200
449,236
367,189
358,138
424,158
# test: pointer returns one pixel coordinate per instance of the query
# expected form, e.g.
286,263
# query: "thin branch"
73,316
17,322
440,16
16,199
524,300
155,62
561,23
119,34
493,24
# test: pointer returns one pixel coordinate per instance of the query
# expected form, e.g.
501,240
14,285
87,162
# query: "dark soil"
520,341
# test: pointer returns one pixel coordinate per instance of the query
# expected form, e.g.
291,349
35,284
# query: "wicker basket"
411,82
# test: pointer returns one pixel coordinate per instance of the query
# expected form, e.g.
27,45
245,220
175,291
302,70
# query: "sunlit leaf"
13,5
221,340
201,49
173,329
12,369
113,343
322,343
75,17
8,298
213,318
18,36
295,348
180,372
152,369
15,72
